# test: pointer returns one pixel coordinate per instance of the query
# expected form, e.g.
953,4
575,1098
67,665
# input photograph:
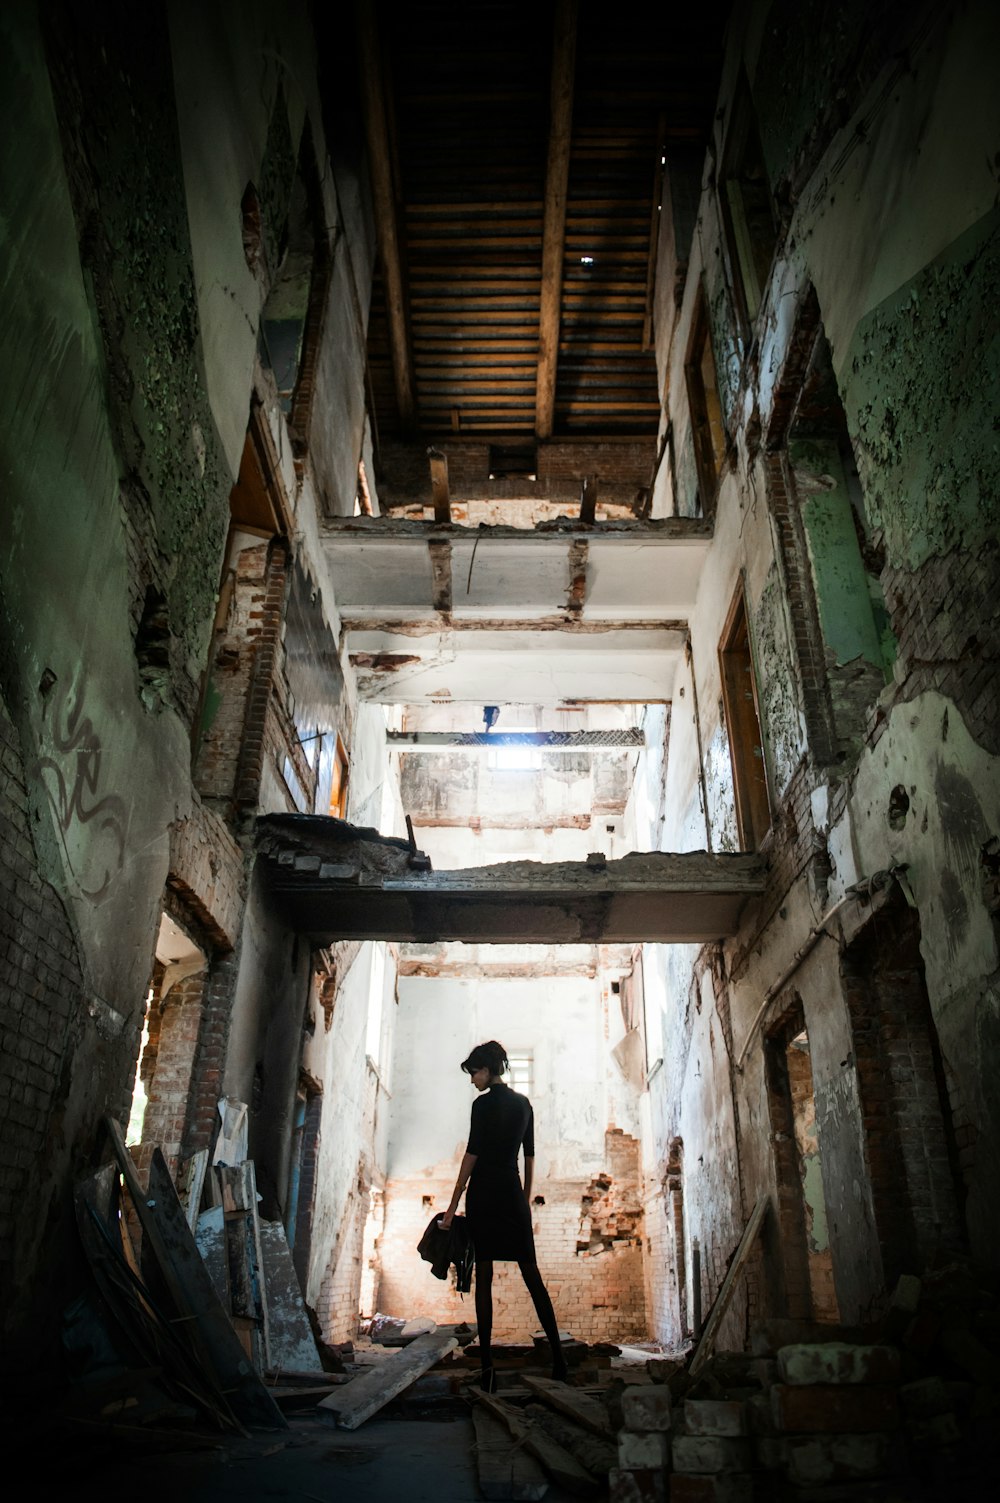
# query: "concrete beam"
434,741
332,882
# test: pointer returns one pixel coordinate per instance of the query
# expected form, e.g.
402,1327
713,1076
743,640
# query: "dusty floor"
385,1461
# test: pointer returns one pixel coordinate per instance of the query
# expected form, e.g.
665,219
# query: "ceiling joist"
554,231
380,158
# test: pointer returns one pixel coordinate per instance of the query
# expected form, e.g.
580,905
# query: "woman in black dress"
498,1208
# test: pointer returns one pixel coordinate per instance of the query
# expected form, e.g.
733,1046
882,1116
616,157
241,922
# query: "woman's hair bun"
492,1056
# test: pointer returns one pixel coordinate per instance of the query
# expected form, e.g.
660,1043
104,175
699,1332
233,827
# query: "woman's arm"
529,1174
468,1164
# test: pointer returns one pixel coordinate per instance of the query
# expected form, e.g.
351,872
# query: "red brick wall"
588,1240
909,1135
41,1015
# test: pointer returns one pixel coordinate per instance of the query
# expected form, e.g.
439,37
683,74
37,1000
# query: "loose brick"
728,1487
637,1485
649,1449
815,1459
714,1417
925,1397
838,1362
833,1406
646,1408
711,1453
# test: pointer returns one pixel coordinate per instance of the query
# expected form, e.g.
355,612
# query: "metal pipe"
816,933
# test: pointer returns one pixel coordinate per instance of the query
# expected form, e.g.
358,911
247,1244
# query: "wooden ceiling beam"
556,181
380,160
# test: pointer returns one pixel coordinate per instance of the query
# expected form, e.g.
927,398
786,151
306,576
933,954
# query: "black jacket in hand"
441,1248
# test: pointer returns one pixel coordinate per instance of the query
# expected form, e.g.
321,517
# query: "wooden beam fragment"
554,230
597,1454
588,500
723,1299
505,1471
587,1411
364,1396
563,1468
439,486
380,160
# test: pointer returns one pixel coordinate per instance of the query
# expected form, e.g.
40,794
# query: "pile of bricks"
909,1414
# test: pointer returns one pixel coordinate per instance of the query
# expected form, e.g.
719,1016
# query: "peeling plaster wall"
106,775
878,132
352,1137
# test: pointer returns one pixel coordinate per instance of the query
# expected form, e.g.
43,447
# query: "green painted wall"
921,386
843,597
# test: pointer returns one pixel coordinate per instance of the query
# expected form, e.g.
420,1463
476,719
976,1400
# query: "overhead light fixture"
586,260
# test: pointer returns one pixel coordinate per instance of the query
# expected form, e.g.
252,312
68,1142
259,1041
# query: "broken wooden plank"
150,1333
290,1339
587,1411
247,1289
192,1185
206,1324
597,1454
440,494
588,500
371,1391
561,1466
716,1315
505,1468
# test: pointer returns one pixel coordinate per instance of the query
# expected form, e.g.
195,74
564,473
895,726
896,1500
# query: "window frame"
751,788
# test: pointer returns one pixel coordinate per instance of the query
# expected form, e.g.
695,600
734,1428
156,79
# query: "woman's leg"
546,1315
484,1319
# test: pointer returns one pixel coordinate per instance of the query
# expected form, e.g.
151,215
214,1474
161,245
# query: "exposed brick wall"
588,1240
946,617
177,1028
207,871
909,1137
268,614
201,1122
41,991
810,659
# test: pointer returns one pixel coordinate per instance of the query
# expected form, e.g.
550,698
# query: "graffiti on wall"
72,775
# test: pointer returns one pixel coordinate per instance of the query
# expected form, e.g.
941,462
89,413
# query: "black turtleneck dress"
498,1216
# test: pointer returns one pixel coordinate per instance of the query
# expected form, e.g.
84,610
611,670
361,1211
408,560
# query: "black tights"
539,1298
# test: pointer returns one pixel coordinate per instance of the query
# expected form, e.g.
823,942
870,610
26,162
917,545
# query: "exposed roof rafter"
554,229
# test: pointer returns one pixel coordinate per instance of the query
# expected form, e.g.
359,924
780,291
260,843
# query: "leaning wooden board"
365,1395
723,1299
505,1468
203,1320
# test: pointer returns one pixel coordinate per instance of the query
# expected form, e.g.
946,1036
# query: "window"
746,749
519,758
708,429
338,777
521,1071
747,209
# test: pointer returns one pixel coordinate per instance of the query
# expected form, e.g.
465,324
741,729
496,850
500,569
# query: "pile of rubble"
903,1412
